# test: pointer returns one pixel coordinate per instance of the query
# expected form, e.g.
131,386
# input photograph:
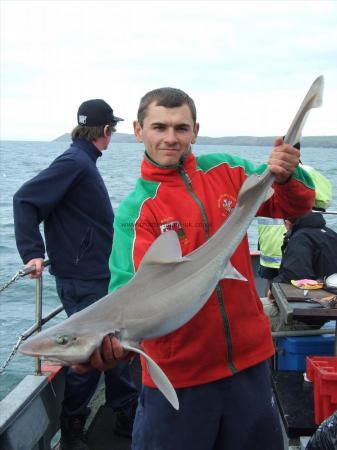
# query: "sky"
246,64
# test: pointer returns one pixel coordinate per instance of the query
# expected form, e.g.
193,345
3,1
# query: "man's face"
167,133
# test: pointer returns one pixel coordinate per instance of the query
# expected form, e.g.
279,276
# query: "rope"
12,280
11,355
21,273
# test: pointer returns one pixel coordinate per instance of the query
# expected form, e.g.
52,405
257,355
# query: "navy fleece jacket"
71,199
309,250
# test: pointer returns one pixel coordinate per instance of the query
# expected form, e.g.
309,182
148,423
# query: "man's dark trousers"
120,390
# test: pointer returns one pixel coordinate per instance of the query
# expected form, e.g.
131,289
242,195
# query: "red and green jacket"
231,332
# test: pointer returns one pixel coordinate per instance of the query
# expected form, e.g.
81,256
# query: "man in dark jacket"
309,249
71,200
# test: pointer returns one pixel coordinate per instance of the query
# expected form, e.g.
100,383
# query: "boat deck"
101,422
100,434
100,425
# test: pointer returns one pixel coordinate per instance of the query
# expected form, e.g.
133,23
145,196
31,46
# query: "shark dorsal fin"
164,250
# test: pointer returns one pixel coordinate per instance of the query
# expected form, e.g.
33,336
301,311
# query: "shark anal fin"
158,376
232,273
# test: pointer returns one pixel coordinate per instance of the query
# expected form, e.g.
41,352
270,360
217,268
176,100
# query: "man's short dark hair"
91,133
167,97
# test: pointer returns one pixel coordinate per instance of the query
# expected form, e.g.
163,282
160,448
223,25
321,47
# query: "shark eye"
62,340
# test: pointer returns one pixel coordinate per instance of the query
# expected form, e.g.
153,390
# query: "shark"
147,307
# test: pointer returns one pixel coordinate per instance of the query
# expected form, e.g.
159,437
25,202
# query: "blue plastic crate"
292,351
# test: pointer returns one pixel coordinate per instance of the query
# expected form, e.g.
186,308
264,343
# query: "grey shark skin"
150,304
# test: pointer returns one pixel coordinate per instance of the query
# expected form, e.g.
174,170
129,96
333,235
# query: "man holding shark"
217,361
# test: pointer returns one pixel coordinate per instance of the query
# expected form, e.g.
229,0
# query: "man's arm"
294,190
32,204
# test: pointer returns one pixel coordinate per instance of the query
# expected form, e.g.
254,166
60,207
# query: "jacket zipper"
85,243
188,183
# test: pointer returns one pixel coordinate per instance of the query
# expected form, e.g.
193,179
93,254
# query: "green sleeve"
120,262
132,234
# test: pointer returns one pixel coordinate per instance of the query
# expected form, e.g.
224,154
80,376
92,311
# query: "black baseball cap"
97,112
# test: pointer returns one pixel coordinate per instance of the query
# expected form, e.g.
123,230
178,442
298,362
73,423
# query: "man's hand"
270,297
38,263
106,357
283,160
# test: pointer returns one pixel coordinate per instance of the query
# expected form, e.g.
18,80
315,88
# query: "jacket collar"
152,171
310,220
88,147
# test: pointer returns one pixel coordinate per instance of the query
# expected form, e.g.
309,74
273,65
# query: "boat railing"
334,213
39,320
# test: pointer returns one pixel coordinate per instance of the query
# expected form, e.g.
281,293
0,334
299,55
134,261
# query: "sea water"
120,167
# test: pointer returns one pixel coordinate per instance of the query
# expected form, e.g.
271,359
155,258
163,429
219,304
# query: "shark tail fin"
313,99
318,86
158,377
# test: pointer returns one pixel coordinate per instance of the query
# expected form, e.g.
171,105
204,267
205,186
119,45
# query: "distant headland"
264,141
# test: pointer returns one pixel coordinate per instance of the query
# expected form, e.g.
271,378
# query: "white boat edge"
29,414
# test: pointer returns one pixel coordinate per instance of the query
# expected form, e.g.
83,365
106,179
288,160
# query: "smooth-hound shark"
148,306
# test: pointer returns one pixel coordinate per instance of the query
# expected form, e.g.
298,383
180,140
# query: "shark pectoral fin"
158,377
232,273
164,250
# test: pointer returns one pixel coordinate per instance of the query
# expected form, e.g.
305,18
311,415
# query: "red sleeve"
146,231
292,199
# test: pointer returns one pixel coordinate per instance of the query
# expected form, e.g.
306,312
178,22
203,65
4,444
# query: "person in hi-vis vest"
271,236
271,231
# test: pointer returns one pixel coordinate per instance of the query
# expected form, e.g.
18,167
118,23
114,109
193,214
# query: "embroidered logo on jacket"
226,203
169,224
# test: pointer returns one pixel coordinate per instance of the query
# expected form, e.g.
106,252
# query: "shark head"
62,345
